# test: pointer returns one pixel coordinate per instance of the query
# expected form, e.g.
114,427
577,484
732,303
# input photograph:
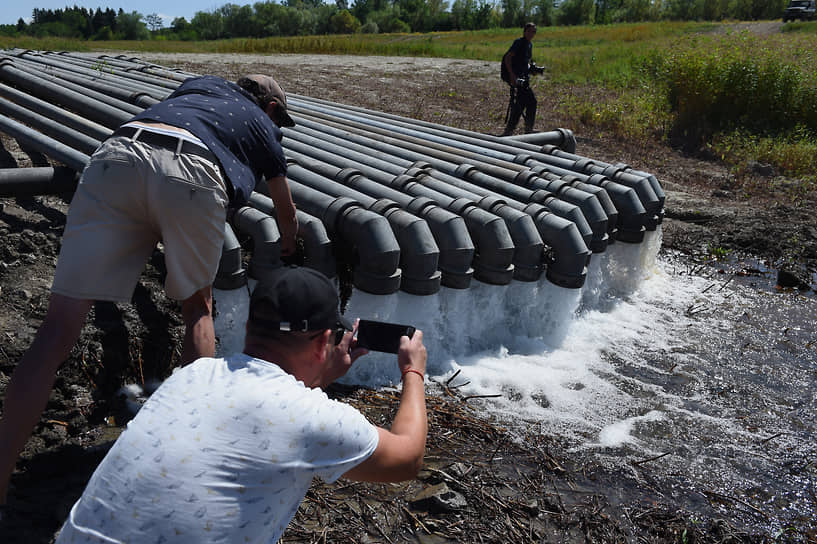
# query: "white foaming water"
647,359
540,346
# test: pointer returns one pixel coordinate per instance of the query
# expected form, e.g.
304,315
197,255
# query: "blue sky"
11,10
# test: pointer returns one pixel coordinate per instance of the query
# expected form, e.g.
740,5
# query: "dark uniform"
525,100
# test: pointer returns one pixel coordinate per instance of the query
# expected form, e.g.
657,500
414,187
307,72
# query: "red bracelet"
422,376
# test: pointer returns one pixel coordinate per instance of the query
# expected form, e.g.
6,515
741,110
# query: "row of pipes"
421,204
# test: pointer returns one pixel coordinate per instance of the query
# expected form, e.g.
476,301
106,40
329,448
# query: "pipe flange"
402,181
490,203
335,210
583,164
623,166
416,173
570,178
568,140
525,177
540,196
422,286
376,284
464,170
346,174
564,280
535,209
418,205
527,273
421,165
493,275
522,158
460,205
457,280
631,236
549,149
383,205
597,179
612,171
599,244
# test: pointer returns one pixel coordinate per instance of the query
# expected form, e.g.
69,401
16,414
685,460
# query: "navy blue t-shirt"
523,51
230,123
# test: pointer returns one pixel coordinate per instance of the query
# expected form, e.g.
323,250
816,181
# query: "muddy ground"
500,489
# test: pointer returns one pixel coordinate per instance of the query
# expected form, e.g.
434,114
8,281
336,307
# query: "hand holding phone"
380,336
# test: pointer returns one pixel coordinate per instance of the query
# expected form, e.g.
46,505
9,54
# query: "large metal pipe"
491,148
419,253
45,145
449,230
317,246
266,238
42,180
58,63
596,235
369,235
561,137
58,115
231,273
90,104
494,246
61,133
141,95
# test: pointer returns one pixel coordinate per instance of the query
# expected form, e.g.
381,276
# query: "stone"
438,499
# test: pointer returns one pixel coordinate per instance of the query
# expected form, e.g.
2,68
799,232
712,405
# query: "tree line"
315,17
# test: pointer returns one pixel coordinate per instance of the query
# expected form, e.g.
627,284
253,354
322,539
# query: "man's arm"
285,210
400,450
508,60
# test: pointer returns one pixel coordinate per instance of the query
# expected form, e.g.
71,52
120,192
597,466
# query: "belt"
166,141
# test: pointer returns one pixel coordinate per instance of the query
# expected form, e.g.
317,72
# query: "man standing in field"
516,69
166,175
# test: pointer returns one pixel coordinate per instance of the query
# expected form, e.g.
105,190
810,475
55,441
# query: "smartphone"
380,336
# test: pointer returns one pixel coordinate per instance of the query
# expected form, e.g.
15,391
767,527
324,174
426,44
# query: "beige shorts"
131,196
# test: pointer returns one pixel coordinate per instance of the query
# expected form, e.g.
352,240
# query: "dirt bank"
512,491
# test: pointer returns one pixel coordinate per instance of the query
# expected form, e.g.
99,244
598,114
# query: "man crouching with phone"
226,448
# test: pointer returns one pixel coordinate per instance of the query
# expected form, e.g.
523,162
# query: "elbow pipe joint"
231,273
377,268
419,254
266,240
567,266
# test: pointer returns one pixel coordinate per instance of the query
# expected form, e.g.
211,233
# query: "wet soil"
482,482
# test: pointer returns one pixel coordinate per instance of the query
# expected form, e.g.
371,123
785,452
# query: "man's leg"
530,110
30,386
514,112
199,332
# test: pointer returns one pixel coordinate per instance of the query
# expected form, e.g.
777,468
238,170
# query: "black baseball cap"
296,299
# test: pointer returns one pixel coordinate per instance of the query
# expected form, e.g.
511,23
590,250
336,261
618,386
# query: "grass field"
738,95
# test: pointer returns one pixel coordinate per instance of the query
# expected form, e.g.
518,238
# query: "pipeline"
456,250
88,103
495,258
42,180
367,234
263,229
419,253
416,205
317,247
56,114
450,169
486,146
231,273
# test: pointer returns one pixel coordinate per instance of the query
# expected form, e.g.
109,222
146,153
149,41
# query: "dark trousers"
523,102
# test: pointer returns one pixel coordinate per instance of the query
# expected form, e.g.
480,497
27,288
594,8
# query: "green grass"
700,85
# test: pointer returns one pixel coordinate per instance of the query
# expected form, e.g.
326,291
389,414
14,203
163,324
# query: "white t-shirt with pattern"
223,451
